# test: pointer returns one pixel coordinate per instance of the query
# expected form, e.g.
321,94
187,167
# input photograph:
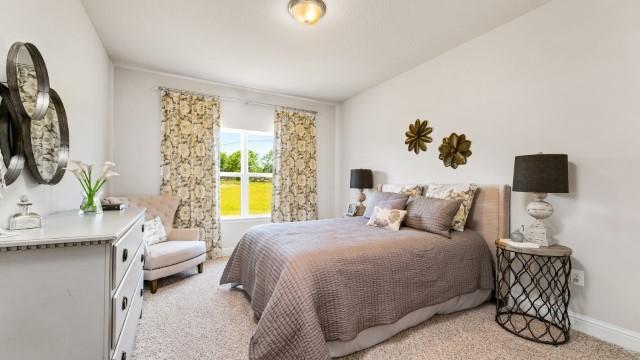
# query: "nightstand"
532,292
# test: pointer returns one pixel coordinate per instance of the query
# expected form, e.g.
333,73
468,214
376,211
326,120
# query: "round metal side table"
532,292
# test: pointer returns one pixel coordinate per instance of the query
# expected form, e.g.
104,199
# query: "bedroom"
516,77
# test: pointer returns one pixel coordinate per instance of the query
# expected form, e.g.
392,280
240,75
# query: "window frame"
244,175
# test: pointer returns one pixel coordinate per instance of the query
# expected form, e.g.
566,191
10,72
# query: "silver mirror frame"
11,139
42,78
63,151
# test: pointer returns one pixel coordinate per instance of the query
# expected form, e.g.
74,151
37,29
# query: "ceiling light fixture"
307,11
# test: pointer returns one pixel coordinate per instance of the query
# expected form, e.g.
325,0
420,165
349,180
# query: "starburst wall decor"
455,150
418,136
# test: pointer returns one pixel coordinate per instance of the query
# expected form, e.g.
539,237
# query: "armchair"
183,249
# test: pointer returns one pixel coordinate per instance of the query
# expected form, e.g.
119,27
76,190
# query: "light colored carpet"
192,317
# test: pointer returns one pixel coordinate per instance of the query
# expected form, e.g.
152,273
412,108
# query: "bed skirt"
377,334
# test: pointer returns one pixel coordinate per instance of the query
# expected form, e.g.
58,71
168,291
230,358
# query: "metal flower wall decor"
418,136
455,150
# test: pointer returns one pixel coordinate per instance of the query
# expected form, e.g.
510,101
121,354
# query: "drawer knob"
125,301
125,255
142,258
124,356
141,292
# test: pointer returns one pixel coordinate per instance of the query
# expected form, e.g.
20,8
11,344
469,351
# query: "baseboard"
604,331
226,251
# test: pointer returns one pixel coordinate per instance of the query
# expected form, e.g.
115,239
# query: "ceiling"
256,44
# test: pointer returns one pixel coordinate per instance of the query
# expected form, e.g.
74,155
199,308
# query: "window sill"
233,219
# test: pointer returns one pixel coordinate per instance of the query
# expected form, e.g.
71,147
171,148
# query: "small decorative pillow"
382,196
154,231
386,218
432,215
464,192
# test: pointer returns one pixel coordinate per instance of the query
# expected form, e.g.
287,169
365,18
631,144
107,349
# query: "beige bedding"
327,280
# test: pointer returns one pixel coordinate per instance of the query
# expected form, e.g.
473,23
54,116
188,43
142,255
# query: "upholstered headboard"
490,211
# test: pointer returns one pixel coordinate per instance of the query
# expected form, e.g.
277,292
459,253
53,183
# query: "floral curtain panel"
189,157
294,179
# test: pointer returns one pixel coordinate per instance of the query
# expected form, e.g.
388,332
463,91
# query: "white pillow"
387,218
154,231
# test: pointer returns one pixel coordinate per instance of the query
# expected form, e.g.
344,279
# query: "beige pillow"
432,215
464,192
378,197
387,218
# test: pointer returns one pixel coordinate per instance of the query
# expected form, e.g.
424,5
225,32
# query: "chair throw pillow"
154,231
431,214
387,218
464,192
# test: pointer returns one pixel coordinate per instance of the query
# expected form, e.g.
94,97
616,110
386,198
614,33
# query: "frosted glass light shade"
307,11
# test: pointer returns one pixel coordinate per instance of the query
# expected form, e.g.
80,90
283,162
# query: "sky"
230,142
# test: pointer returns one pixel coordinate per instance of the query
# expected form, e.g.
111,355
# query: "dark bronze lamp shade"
361,179
541,173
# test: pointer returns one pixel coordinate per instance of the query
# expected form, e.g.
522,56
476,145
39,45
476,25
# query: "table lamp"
361,179
540,174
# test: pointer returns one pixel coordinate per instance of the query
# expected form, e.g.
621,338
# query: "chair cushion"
172,252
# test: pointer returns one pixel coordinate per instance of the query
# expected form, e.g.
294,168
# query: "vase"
91,203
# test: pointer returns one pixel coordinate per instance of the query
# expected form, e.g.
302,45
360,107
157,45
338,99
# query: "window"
246,171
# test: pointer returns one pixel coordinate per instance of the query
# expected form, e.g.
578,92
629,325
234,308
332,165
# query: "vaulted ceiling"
256,44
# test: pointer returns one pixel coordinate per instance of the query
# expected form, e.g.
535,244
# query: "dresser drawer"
124,347
123,299
123,252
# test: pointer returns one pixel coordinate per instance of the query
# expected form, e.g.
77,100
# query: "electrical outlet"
577,277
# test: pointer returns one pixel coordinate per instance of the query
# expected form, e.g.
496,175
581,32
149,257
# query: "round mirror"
28,80
47,143
11,149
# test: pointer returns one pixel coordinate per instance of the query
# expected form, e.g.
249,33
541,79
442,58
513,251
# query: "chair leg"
154,286
200,268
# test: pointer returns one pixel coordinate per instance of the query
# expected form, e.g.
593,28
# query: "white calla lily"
91,185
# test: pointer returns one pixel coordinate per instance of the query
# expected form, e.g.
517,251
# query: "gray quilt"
317,281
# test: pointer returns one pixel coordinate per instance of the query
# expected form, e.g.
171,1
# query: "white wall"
136,147
80,71
564,78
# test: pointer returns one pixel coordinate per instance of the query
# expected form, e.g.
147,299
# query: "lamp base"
361,198
539,232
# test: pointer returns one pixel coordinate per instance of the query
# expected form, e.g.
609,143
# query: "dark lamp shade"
361,179
541,173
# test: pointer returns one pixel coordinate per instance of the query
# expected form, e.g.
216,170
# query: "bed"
328,288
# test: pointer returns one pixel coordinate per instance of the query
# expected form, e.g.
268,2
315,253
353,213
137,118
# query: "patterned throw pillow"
379,197
412,190
154,231
387,218
432,215
464,192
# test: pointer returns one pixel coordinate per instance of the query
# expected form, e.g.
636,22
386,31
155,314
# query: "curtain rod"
239,100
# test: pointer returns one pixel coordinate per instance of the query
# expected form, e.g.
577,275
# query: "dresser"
72,289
